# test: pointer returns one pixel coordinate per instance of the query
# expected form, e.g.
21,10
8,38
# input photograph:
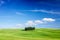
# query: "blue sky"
21,13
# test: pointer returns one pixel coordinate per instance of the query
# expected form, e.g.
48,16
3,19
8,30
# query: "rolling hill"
38,34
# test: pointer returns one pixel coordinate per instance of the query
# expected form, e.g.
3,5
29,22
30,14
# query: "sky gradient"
21,13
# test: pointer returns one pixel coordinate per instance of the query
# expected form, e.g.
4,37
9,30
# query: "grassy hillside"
38,34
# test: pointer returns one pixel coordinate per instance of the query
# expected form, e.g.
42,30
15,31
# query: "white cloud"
48,19
29,23
35,22
45,11
38,22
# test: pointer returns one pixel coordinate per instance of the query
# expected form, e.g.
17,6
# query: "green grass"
38,34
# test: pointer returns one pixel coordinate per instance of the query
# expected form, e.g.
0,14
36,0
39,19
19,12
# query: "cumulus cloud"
33,23
44,11
38,22
48,19
29,23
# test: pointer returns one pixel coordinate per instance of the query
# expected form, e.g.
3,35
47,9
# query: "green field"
38,34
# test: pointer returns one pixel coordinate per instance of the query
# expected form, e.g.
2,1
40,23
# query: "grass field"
38,34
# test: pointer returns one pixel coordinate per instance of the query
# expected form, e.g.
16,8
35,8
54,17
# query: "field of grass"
38,34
